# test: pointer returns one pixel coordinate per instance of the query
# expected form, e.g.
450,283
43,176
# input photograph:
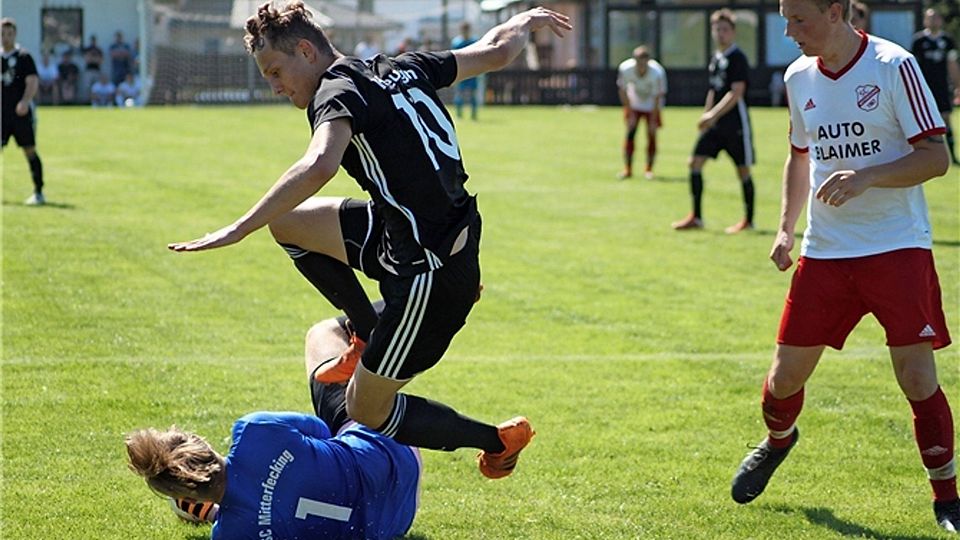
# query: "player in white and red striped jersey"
865,135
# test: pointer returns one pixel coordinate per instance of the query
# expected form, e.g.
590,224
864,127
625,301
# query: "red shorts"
633,116
828,297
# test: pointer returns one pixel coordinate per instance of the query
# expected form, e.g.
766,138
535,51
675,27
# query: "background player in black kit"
20,84
419,236
725,124
936,52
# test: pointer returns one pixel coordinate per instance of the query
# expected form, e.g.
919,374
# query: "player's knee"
281,228
783,384
917,384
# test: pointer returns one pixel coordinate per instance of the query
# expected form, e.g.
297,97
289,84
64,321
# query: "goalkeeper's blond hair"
173,458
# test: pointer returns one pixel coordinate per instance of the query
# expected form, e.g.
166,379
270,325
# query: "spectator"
366,49
69,78
467,88
121,59
92,65
102,92
49,76
128,93
777,88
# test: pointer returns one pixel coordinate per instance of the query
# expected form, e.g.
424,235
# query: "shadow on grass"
416,536
947,243
669,179
825,517
49,204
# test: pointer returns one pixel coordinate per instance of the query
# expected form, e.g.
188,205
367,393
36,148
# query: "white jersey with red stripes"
868,113
642,90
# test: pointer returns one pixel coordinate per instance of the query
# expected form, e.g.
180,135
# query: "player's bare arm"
929,159
32,84
725,105
796,188
304,178
504,42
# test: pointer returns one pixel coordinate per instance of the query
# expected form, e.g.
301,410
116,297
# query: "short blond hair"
283,24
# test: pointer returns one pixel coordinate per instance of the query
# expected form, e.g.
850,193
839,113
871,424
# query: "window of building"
747,33
61,30
628,29
781,50
896,26
684,46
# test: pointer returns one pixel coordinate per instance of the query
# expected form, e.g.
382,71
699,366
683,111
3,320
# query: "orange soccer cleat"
742,225
515,434
688,223
339,370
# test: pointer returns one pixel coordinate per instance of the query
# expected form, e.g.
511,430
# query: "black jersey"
932,53
17,66
403,152
726,68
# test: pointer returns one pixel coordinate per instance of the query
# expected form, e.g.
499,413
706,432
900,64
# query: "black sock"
953,151
36,171
696,189
419,422
748,198
339,285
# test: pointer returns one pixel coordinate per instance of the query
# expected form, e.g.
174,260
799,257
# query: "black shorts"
422,313
735,141
21,128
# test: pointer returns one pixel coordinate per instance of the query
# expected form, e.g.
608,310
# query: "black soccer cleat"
757,468
948,515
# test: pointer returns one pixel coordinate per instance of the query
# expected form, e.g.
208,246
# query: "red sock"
933,429
780,415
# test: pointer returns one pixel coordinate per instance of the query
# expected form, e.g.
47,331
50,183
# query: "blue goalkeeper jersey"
288,478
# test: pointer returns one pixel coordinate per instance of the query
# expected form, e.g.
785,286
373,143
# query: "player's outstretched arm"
796,188
503,43
304,178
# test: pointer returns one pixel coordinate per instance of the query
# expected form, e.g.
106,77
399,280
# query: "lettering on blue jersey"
266,497
400,77
844,150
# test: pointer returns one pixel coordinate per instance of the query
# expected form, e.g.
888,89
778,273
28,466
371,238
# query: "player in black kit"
725,124
20,84
936,52
381,119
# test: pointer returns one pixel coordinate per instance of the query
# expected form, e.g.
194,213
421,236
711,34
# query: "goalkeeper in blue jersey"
288,475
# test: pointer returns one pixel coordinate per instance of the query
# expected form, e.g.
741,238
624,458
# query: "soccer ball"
194,511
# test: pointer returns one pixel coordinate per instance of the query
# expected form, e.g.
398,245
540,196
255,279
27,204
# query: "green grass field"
637,352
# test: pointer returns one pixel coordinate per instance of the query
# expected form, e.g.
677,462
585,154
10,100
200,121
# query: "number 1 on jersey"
309,507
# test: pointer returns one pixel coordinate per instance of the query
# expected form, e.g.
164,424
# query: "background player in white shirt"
642,83
865,134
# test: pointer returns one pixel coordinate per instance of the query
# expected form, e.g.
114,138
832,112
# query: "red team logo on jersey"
868,97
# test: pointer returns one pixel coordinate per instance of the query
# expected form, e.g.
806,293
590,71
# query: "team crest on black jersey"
868,97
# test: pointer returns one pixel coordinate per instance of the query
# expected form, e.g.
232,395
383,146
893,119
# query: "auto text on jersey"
266,497
845,149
